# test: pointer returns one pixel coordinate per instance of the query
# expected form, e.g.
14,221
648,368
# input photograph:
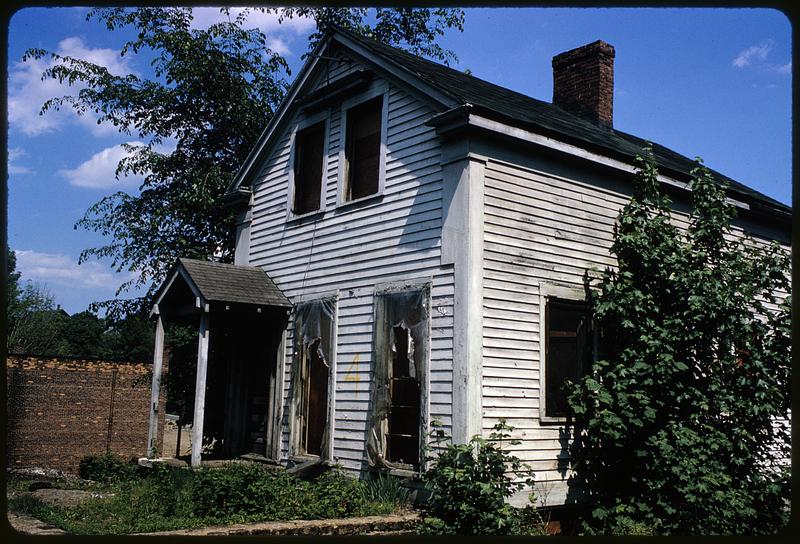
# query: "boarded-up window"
568,351
309,148
363,149
314,335
400,367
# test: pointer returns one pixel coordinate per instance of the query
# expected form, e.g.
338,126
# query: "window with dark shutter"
362,149
308,160
568,351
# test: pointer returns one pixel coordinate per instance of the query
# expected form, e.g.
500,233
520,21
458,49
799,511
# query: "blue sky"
709,82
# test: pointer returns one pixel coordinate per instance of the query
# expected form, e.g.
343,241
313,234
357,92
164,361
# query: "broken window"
363,149
309,149
400,366
568,351
314,335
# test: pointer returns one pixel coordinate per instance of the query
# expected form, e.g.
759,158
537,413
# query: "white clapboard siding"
537,228
352,249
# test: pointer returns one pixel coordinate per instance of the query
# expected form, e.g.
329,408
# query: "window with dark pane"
308,160
402,444
568,351
362,149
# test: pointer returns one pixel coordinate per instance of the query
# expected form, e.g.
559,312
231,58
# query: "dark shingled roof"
219,282
518,109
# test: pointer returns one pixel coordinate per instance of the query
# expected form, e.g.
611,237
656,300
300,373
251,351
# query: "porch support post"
158,359
200,389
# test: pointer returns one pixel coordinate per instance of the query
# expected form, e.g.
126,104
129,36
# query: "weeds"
175,498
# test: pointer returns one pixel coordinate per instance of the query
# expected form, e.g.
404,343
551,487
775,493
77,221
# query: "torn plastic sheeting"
313,323
409,310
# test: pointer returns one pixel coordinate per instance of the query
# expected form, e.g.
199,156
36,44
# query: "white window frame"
381,89
562,292
323,116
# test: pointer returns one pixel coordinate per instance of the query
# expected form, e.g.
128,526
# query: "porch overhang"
193,288
216,284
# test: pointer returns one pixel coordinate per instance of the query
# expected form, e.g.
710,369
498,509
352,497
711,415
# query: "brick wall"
59,410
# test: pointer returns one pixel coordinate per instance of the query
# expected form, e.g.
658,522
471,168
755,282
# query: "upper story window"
309,154
363,149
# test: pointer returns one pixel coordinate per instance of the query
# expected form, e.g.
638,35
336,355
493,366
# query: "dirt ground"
171,439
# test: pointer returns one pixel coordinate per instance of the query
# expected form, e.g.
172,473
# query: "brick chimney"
583,82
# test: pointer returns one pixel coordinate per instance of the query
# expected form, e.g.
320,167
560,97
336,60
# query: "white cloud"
266,22
783,68
27,92
98,172
753,53
206,16
13,154
60,269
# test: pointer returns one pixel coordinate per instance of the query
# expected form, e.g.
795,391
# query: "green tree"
34,323
674,422
131,339
212,93
82,335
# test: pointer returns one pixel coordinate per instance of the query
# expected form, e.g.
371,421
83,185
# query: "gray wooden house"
411,246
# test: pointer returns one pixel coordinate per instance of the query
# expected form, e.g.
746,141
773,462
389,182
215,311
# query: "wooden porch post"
158,359
200,389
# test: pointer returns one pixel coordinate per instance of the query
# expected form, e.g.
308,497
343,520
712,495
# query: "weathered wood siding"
353,248
538,228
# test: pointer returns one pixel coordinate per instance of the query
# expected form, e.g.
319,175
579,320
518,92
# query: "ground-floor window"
401,352
567,351
314,338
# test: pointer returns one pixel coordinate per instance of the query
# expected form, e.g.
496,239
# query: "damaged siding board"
539,228
352,250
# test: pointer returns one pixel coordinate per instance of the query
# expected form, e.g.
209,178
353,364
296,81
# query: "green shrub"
107,468
468,487
336,495
247,490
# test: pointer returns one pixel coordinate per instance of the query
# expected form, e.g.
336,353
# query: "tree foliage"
211,94
674,422
37,326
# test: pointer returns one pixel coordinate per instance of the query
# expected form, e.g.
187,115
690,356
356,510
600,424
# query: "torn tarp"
314,330
397,311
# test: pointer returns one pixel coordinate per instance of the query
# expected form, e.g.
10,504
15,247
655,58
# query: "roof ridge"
542,114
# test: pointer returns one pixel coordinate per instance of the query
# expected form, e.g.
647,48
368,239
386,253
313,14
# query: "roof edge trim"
480,122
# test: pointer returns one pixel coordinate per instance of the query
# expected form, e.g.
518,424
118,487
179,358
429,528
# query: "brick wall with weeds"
170,498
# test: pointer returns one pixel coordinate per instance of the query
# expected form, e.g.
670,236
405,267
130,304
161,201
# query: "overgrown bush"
106,468
469,485
674,421
247,490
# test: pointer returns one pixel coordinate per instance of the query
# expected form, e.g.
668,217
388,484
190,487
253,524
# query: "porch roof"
220,282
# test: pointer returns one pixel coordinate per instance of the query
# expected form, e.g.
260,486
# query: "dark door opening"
315,400
402,445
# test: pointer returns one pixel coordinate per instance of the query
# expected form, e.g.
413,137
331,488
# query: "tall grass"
386,493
